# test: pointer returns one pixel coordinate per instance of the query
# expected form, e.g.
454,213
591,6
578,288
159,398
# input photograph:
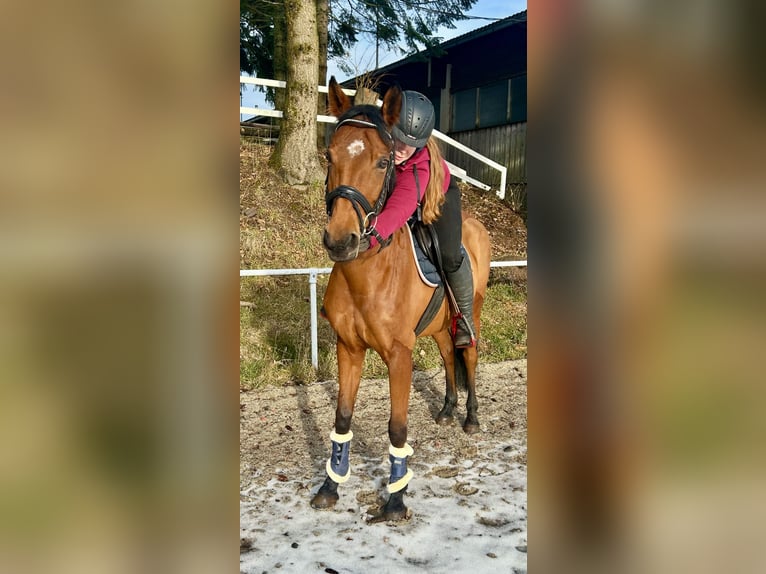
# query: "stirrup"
462,333
465,345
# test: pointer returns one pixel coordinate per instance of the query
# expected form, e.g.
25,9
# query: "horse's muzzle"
343,250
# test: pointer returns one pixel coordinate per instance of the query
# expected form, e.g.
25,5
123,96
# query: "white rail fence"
313,273
456,171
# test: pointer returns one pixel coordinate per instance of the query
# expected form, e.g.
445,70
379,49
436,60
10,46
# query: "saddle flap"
427,270
423,239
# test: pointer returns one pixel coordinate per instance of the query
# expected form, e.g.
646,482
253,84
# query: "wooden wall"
504,144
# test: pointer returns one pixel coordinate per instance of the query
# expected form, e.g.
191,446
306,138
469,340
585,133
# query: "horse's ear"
392,105
338,101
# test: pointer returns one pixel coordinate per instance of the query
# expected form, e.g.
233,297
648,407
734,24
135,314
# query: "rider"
419,161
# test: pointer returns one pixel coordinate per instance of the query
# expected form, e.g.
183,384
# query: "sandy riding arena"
467,499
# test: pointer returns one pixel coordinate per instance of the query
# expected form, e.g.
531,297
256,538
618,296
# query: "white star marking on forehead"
355,148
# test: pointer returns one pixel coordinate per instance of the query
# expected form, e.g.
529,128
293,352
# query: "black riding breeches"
449,229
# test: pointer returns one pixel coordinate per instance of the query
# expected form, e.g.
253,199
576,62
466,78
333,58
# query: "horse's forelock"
371,114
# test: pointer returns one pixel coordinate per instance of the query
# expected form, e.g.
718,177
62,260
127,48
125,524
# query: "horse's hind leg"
465,366
338,466
447,351
466,363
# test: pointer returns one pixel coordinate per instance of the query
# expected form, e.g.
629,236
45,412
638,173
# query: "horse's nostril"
347,242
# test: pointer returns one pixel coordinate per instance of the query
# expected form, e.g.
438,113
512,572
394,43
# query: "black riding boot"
461,282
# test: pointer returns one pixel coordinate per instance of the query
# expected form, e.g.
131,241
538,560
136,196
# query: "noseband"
366,213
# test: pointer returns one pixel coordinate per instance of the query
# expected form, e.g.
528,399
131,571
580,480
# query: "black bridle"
366,213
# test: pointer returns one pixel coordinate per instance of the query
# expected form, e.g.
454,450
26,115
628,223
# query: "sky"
364,53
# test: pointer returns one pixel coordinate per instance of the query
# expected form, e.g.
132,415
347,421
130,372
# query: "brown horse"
375,298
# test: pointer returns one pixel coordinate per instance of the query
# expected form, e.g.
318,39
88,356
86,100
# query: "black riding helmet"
416,120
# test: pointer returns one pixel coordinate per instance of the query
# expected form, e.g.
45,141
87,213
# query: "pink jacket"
403,200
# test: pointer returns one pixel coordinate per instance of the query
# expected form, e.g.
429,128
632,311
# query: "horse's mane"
373,115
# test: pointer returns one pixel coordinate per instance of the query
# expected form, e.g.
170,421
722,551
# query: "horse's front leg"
399,363
338,466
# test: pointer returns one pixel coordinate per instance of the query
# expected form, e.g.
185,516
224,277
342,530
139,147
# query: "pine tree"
291,40
386,23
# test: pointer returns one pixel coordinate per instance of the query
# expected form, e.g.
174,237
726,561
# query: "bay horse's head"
360,171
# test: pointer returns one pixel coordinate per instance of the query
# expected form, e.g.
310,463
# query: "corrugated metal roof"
494,27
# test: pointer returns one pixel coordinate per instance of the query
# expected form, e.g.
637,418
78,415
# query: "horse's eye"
383,163
327,157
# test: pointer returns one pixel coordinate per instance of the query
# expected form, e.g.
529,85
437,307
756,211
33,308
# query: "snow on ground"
467,498
466,518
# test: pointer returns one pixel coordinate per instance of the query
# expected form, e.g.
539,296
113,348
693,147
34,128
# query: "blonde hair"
434,195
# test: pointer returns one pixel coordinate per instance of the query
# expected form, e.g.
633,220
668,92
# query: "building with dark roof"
478,86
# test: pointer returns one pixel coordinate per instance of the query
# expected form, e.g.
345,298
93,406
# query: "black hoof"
393,510
444,419
445,415
326,496
471,427
382,515
323,501
397,514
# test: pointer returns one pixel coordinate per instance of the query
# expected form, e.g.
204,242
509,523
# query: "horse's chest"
358,314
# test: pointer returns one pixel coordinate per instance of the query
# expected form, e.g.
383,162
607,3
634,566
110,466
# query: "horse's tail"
461,375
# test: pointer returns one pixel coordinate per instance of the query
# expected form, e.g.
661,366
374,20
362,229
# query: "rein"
366,213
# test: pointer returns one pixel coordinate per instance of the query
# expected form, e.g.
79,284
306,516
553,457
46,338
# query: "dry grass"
281,227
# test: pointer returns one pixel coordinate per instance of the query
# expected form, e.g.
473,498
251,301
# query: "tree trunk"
280,56
295,156
323,23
